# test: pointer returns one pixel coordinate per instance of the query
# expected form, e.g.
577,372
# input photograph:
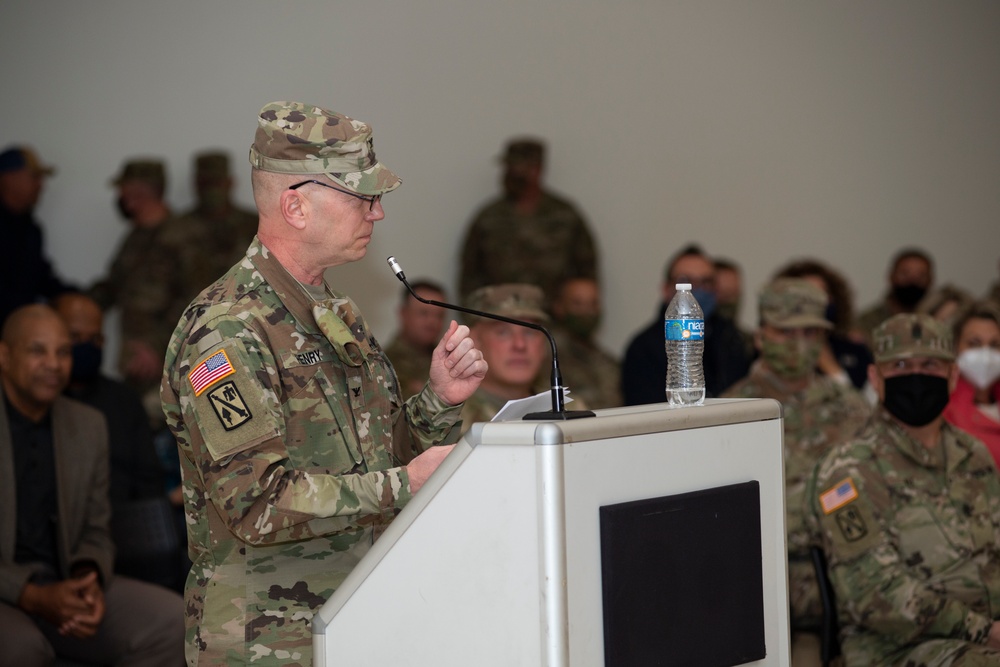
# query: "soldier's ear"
293,206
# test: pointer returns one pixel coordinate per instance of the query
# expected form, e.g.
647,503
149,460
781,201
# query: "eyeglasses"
370,199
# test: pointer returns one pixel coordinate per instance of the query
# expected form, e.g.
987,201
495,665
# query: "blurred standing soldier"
420,327
592,374
296,448
528,235
909,515
911,276
994,293
58,596
819,412
230,229
515,354
150,277
25,273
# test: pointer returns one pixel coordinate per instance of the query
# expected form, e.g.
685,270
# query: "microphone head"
394,265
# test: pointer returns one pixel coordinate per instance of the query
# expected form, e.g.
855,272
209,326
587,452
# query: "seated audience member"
58,596
974,406
994,293
515,354
909,516
420,327
135,470
592,374
25,273
819,413
947,304
528,234
841,358
910,277
729,296
726,359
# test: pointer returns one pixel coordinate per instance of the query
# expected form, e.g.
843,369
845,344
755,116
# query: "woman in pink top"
974,403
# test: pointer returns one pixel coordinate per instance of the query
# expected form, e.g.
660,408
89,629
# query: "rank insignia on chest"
229,406
210,371
839,495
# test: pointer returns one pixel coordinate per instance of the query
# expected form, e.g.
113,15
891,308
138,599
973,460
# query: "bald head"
35,359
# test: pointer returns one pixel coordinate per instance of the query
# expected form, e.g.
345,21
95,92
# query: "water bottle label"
684,329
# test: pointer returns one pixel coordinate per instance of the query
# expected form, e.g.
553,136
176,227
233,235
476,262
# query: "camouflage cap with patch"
147,171
519,301
297,138
910,335
791,303
524,149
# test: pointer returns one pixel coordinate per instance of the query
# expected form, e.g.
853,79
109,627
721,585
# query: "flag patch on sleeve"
210,371
838,496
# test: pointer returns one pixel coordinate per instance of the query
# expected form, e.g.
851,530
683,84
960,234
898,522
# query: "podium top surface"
633,420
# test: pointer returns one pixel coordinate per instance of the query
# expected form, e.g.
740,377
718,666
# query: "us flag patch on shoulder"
839,495
210,371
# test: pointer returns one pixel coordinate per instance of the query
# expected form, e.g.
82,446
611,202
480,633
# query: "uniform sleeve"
584,251
239,445
873,586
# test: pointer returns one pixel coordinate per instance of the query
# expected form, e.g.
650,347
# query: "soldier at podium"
296,448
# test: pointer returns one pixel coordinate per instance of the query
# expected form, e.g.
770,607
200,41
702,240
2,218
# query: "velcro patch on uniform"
839,495
229,406
852,525
210,371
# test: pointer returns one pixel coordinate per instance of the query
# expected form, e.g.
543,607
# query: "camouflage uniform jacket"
292,436
817,418
412,365
590,373
544,248
875,315
482,406
227,236
911,536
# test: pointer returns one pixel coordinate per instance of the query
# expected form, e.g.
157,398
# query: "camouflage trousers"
949,653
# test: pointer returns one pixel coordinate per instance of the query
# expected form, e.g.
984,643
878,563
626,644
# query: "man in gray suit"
57,593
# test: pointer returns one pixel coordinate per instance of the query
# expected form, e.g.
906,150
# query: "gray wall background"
764,130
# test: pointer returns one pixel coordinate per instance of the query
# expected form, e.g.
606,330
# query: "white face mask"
980,366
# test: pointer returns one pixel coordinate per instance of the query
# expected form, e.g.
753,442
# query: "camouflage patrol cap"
16,158
524,150
791,303
910,335
297,138
211,164
147,171
520,301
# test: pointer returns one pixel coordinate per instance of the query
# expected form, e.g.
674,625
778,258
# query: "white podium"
513,552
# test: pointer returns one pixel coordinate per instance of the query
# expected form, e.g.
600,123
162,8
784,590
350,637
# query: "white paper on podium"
516,409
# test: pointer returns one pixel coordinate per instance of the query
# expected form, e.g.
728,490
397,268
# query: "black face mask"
87,359
916,399
908,296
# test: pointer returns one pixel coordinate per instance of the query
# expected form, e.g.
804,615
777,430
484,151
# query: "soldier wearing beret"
528,235
818,411
296,448
909,516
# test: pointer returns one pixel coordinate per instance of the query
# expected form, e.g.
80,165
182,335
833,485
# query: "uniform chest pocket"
320,433
924,546
981,525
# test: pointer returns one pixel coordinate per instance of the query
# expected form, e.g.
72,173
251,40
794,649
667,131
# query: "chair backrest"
829,627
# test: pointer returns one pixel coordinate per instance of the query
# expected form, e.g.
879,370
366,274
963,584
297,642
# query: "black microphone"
559,410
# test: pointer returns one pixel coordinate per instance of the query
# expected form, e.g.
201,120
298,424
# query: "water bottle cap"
682,286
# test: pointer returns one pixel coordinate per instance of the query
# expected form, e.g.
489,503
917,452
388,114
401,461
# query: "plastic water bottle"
684,332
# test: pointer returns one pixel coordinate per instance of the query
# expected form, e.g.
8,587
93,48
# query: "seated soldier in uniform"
420,328
515,354
909,516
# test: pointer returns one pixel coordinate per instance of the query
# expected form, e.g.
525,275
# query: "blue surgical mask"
706,299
